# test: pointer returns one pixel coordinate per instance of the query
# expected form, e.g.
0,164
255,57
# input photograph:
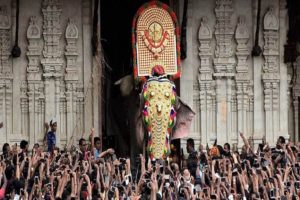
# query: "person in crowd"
226,149
96,147
50,138
261,174
192,158
24,146
280,142
84,149
6,150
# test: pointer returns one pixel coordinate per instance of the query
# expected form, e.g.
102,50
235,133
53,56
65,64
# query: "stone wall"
53,76
231,90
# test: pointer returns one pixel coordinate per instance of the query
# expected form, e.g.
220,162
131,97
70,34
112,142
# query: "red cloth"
2,193
158,70
85,194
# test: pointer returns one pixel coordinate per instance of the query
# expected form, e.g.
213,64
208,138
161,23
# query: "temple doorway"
116,22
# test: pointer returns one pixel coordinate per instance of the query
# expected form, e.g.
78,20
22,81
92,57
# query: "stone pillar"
71,76
242,77
284,94
24,109
223,68
34,81
271,75
205,79
52,60
6,70
229,103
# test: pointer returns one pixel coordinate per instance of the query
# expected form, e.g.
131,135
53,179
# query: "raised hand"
46,125
92,131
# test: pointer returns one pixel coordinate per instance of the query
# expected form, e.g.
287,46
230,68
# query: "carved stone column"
34,82
6,73
234,116
205,80
79,110
224,63
71,76
229,104
242,77
271,76
8,107
52,59
24,109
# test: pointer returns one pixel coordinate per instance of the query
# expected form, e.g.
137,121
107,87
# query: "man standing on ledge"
50,137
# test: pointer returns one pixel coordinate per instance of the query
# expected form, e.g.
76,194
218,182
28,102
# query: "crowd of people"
86,172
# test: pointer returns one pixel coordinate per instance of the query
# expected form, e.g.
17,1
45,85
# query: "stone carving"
242,52
73,90
6,75
224,63
271,20
4,17
34,50
205,81
204,37
5,66
34,94
241,31
224,31
204,30
71,51
24,108
71,31
271,76
33,31
5,42
242,80
52,61
51,31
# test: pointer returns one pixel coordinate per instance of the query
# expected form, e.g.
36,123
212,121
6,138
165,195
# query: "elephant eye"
152,94
167,94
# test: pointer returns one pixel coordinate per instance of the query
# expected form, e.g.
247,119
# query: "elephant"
161,115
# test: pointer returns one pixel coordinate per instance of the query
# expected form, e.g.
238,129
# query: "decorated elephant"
162,115
156,62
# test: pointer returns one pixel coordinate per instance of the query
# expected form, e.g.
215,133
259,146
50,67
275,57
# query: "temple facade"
55,76
230,89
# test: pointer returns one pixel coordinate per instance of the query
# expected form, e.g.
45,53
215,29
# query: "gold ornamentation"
159,109
155,33
156,41
155,38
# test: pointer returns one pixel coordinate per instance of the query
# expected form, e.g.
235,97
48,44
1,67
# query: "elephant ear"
184,119
126,85
140,127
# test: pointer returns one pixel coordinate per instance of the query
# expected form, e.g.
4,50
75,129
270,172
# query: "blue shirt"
51,140
97,153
